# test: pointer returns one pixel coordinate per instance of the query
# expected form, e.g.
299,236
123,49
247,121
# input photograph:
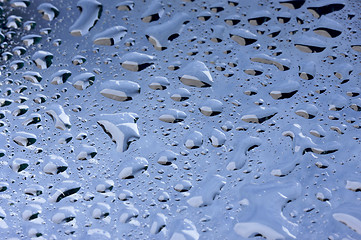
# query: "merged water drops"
160,35
196,74
110,36
90,12
120,90
48,11
136,61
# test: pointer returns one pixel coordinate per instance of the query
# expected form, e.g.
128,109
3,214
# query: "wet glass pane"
180,119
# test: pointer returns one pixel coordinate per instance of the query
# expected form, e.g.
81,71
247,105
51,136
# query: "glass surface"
214,119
